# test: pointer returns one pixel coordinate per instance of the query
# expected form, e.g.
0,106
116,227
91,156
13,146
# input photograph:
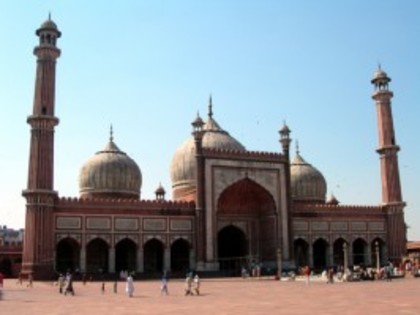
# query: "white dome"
110,173
307,183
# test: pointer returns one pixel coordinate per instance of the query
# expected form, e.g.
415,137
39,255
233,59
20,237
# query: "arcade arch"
97,256
180,255
67,255
126,255
153,256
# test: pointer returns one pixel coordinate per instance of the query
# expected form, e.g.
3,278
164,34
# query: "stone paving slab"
219,296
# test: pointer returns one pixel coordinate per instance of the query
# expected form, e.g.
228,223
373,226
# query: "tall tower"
40,196
388,154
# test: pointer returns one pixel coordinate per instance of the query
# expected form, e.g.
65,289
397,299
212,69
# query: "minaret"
198,134
40,195
286,250
388,154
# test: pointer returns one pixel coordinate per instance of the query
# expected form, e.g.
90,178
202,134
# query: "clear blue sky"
147,67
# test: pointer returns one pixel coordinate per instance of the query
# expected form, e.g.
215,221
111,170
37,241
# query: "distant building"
231,207
11,244
413,253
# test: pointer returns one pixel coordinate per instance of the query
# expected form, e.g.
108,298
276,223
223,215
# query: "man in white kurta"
130,286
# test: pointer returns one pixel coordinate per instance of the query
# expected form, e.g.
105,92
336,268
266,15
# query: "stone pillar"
140,259
167,259
368,255
82,259
279,262
346,258
111,260
330,260
192,259
311,255
351,258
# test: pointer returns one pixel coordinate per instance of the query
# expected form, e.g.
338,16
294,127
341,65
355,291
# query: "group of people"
65,284
192,284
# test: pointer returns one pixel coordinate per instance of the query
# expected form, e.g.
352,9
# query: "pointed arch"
232,248
338,251
180,255
97,256
360,250
301,252
67,255
153,256
126,255
249,201
245,197
320,251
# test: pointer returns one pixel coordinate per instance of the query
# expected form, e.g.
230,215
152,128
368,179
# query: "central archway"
232,247
248,201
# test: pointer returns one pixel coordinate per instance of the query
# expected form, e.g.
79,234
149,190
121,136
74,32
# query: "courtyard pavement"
219,296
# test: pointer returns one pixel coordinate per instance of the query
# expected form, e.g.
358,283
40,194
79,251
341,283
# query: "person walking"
115,287
307,273
330,275
164,284
30,280
197,284
188,284
60,283
69,284
130,285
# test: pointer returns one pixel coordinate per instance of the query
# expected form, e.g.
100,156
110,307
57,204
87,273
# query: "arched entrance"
359,252
180,255
301,249
232,249
320,254
338,252
153,256
97,256
249,202
126,256
67,255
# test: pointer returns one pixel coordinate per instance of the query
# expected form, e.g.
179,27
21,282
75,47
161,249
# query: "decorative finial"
49,16
297,147
210,107
379,66
111,135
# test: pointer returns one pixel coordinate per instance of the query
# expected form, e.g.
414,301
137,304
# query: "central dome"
110,173
183,166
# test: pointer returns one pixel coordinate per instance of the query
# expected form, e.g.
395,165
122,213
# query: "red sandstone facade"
232,207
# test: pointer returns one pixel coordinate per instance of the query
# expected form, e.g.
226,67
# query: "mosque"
231,207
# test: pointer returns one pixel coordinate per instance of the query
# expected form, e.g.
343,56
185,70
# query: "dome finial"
111,134
210,106
49,16
297,147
